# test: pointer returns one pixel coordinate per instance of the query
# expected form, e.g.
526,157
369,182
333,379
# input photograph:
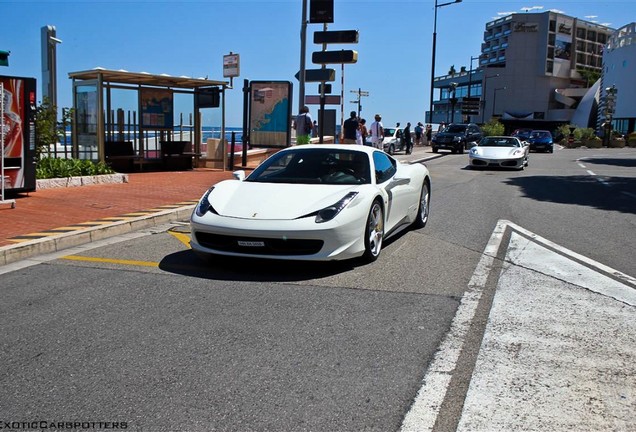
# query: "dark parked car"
522,134
456,137
541,140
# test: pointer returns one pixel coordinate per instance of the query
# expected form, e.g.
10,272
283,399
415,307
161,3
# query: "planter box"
80,181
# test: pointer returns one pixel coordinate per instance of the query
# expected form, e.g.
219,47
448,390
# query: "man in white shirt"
377,133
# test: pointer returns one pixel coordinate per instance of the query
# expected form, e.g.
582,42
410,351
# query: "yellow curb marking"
183,238
111,261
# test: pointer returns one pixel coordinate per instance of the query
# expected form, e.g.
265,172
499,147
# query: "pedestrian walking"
429,134
377,132
304,126
419,133
406,136
364,132
350,127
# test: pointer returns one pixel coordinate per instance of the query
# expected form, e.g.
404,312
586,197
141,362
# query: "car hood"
497,152
273,201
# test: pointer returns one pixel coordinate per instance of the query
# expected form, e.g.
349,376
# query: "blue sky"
190,38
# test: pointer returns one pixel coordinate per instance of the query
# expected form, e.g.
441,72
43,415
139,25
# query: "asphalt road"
138,330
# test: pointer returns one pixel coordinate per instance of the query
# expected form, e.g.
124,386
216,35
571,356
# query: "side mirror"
239,175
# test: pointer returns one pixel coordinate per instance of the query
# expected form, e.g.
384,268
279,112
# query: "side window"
384,167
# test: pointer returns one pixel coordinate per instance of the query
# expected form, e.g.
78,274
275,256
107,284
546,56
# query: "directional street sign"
329,100
318,75
470,105
336,36
334,57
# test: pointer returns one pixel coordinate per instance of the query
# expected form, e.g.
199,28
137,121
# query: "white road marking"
425,409
581,165
534,270
556,355
591,173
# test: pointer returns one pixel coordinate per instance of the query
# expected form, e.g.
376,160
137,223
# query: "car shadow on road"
227,268
218,267
604,193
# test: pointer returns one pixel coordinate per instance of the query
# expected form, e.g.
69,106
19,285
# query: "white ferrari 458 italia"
313,202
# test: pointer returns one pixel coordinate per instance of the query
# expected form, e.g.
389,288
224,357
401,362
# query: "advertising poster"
14,112
157,108
270,113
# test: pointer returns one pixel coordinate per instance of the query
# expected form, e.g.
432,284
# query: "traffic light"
336,36
321,11
4,58
334,57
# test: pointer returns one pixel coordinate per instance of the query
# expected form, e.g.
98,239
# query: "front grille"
509,163
279,246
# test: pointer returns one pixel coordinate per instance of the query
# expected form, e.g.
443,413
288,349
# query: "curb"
80,181
21,251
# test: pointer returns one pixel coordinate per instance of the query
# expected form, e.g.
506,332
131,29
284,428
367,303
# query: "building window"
549,67
580,33
602,38
552,25
580,45
591,35
551,53
580,58
551,39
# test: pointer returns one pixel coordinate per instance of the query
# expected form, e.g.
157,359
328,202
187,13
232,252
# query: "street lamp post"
610,104
430,116
470,78
494,100
453,100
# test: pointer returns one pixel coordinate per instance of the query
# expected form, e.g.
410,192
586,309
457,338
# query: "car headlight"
457,139
517,152
332,211
474,151
204,203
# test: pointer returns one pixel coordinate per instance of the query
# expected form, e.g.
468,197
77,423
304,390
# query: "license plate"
251,243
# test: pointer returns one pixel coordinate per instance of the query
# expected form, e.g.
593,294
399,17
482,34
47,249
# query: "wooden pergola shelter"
92,104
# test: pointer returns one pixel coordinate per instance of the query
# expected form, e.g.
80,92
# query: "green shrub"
49,167
631,139
587,134
493,128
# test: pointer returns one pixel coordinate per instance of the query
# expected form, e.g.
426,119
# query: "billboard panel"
270,113
157,108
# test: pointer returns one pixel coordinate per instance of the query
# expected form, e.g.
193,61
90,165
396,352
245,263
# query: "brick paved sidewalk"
56,208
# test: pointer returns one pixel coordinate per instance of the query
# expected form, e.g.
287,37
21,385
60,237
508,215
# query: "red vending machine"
18,155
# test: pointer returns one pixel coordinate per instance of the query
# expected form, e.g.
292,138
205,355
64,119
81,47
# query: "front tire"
391,149
374,233
424,207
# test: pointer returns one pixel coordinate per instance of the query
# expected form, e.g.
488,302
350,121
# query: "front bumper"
480,162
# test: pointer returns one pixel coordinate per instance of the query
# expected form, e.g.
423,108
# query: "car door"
397,187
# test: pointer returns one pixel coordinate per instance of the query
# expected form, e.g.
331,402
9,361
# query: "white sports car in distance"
313,202
499,151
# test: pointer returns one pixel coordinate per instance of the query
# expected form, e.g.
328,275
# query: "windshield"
540,134
389,132
455,129
314,166
498,142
